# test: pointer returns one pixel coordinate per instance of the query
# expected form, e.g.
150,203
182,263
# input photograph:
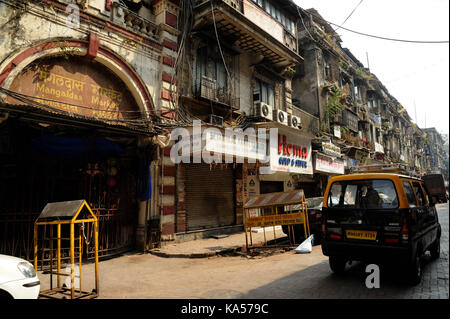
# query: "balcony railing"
252,26
132,21
210,91
310,123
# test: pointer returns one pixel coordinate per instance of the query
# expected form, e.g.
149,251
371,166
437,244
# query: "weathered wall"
42,23
305,87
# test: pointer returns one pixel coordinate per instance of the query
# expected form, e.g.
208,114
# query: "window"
264,92
356,90
409,194
211,66
327,70
370,194
419,194
277,15
268,7
425,193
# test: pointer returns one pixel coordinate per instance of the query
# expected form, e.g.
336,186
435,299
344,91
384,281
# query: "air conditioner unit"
215,120
264,110
280,117
294,121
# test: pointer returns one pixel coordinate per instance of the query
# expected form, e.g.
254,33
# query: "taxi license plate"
361,234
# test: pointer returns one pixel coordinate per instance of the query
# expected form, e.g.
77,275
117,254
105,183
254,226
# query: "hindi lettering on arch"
77,86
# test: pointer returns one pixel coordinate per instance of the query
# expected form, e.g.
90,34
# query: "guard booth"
263,211
76,227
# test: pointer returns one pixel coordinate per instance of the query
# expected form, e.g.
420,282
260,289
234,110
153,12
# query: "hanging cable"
374,36
304,26
351,13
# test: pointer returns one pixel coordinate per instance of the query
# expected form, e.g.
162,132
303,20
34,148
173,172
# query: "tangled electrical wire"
134,119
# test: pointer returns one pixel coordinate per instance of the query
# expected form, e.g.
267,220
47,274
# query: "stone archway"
20,62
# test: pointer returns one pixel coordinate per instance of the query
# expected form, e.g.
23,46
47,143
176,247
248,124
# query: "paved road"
317,282
281,275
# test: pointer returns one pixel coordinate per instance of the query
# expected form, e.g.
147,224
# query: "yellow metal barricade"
287,200
69,218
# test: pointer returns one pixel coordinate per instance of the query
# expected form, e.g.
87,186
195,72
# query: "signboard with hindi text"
77,86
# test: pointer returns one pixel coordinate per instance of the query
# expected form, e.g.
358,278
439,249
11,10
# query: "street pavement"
275,274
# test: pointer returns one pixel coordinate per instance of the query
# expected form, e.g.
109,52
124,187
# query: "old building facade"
92,94
83,91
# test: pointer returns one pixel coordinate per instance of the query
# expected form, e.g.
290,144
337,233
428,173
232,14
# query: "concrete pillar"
167,195
166,15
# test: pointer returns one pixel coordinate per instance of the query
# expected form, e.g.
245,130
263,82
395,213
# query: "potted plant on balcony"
289,72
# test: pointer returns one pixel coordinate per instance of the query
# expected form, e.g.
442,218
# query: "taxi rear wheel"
435,249
337,264
415,269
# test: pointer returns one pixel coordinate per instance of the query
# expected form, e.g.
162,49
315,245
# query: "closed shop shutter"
209,196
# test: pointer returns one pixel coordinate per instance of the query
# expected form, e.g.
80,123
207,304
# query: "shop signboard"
331,149
290,153
337,131
379,148
328,164
361,156
236,144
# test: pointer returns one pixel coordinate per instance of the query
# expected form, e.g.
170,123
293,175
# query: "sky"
417,75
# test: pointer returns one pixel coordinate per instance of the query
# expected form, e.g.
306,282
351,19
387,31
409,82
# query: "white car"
18,279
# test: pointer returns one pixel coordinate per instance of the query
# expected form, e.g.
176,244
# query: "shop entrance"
43,163
271,187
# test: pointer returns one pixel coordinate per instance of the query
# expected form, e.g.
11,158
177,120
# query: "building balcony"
128,19
210,92
244,24
310,123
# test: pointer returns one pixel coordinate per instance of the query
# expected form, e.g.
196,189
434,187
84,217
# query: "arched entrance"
71,133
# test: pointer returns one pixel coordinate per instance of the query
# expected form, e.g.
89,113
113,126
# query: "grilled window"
264,92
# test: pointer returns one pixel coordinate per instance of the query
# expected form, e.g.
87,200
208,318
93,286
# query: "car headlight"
26,269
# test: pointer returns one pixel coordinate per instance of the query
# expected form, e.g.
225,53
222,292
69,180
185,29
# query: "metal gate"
210,198
28,183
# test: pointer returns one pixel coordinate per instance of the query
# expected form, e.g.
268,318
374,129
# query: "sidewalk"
202,248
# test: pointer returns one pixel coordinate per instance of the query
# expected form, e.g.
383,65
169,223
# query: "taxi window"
409,194
419,193
425,193
371,194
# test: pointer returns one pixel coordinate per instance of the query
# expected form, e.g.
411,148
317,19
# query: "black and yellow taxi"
382,216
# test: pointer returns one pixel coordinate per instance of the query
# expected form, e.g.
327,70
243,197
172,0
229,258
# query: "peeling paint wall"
42,23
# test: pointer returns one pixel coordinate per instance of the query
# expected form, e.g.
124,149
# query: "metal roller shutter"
209,196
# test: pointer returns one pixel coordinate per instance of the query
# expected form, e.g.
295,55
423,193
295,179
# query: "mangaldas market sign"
76,86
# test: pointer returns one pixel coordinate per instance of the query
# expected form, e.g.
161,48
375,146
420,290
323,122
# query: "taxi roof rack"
381,168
